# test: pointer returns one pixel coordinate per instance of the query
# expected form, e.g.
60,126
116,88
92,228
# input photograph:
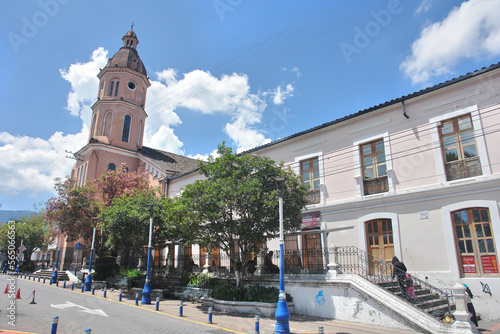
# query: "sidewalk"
239,323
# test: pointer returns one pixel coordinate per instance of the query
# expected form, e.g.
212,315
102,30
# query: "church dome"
127,56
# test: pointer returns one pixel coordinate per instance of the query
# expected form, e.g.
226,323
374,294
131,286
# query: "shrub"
251,293
203,280
227,291
132,273
105,267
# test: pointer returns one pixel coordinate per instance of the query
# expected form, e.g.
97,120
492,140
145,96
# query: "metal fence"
353,260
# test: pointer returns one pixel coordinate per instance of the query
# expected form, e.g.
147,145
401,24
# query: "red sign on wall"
490,265
311,220
469,264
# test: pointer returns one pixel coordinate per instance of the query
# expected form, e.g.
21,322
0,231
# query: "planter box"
254,308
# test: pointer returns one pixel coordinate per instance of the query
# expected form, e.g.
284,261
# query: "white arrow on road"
84,309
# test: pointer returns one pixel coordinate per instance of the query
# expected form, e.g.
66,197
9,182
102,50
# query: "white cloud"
470,31
84,84
32,164
28,163
202,92
280,95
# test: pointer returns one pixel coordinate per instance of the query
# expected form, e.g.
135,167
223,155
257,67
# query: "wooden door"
311,251
380,241
292,255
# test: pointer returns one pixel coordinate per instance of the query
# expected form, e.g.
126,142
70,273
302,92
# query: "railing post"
462,316
208,263
260,263
333,265
170,263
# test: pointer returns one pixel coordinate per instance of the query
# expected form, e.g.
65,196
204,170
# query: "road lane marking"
84,309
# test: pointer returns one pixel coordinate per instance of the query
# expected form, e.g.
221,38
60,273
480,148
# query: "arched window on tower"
126,128
92,129
116,90
112,166
106,127
111,88
139,135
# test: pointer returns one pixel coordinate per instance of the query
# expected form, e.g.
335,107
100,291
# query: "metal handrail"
353,260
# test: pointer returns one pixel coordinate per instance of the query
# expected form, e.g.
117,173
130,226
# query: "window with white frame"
459,148
373,159
374,167
310,172
475,242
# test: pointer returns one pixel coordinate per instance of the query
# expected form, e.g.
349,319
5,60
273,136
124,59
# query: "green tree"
126,221
75,210
237,203
33,230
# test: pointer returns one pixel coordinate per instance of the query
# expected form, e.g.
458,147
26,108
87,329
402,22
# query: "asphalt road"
78,311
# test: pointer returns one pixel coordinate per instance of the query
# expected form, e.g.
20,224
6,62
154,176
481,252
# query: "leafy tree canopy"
238,201
33,230
126,221
76,209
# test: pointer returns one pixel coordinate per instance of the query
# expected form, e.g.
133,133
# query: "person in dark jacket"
470,307
400,273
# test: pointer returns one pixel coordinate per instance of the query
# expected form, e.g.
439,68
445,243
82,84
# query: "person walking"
470,307
399,271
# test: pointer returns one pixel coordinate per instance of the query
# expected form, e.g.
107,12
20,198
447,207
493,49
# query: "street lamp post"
282,314
88,280
146,292
53,280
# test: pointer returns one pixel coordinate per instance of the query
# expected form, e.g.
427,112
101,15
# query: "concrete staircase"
47,274
427,301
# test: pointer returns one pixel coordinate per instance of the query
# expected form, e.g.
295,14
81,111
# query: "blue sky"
245,72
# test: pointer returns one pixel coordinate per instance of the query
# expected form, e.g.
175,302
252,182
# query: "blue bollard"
93,289
64,284
137,299
180,308
120,296
87,331
157,303
50,282
57,283
44,281
38,279
210,310
83,287
257,324
54,324
72,285
104,292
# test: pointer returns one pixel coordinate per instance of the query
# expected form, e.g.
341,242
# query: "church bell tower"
118,116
